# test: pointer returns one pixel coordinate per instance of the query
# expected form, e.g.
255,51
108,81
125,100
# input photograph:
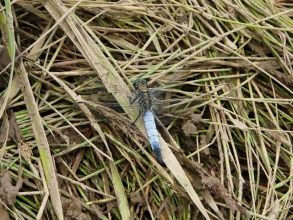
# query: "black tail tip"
158,154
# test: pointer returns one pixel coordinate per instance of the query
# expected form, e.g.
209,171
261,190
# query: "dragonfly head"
140,84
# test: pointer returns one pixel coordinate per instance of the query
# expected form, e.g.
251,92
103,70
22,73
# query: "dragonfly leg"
134,99
139,114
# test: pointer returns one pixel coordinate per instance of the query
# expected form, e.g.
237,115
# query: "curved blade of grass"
37,125
99,62
6,26
120,193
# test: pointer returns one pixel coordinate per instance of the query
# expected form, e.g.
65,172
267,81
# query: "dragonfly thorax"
144,96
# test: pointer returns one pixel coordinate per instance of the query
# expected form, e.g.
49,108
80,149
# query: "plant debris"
223,73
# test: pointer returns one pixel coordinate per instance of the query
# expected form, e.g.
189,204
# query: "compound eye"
135,83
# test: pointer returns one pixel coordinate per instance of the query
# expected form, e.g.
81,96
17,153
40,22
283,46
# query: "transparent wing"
92,89
166,81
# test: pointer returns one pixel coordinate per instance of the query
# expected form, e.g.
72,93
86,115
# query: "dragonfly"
144,100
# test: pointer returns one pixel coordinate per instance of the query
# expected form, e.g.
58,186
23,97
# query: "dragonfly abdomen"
152,132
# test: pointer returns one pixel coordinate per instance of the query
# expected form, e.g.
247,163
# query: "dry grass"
229,151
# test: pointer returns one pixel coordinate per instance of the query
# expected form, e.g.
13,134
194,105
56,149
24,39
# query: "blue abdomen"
153,136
